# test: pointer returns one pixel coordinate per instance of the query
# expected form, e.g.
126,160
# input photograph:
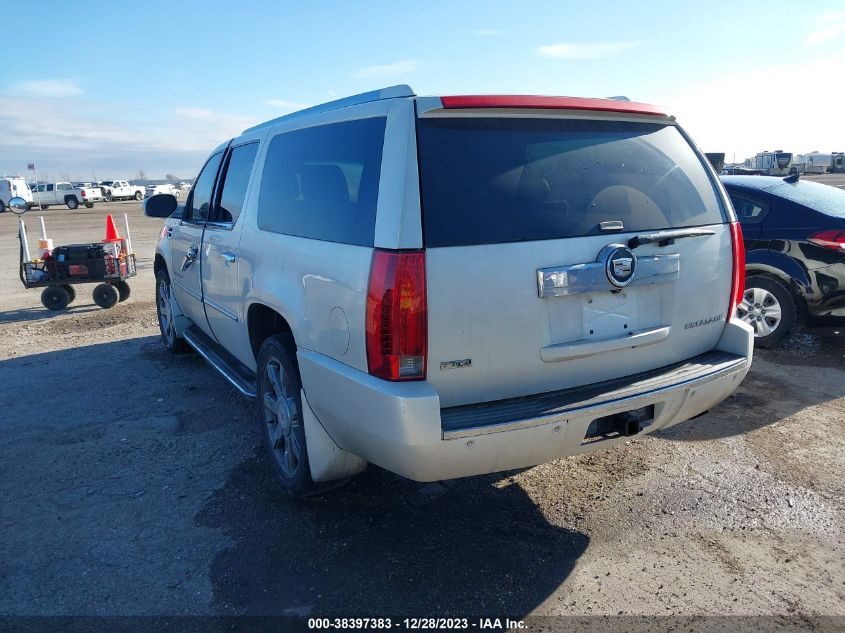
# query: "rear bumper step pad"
523,411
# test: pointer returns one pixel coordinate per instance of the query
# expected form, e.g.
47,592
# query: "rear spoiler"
549,103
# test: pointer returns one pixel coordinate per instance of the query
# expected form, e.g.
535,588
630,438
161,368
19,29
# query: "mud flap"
327,460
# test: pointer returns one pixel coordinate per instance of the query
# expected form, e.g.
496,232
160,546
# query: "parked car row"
74,195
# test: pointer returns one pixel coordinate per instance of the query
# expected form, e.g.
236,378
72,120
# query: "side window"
322,182
49,187
235,181
748,211
200,201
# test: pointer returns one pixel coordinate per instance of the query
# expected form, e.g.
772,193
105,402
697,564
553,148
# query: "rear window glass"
494,180
322,182
824,198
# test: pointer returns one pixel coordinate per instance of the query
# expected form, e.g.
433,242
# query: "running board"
233,370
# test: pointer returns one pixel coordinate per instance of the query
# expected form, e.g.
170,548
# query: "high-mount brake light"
397,323
550,103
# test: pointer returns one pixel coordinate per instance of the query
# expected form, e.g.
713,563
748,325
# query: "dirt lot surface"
131,482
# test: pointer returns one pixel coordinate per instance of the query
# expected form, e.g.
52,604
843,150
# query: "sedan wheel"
769,308
760,309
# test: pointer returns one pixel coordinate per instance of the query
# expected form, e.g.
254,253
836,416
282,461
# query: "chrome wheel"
165,314
761,310
281,417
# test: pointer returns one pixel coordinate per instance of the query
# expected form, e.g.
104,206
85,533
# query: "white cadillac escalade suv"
450,286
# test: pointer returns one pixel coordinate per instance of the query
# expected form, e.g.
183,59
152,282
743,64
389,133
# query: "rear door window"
495,180
235,181
322,182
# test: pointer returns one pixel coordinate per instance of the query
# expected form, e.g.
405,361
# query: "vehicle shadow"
773,390
385,545
35,314
158,467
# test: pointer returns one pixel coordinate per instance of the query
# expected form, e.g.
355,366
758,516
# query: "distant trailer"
837,165
775,163
814,163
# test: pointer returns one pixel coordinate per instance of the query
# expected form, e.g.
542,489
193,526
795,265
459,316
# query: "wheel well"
70,197
264,322
158,264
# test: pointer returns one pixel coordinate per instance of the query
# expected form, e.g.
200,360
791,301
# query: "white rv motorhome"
13,187
774,163
812,163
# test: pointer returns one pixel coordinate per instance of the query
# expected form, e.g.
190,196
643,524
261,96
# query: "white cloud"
748,111
583,51
48,88
829,26
388,70
486,32
80,135
284,104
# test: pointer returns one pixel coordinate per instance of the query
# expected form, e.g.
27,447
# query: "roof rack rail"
391,92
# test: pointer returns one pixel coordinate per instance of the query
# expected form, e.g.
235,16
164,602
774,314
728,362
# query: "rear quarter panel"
319,287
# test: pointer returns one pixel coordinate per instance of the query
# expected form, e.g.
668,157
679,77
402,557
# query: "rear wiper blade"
664,238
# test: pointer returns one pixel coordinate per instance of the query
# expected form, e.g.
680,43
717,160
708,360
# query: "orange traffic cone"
111,230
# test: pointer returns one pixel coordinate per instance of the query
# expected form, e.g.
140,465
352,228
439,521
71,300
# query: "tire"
123,290
105,295
89,205
108,197
71,291
72,203
45,206
139,195
279,413
55,298
769,307
2,207
173,343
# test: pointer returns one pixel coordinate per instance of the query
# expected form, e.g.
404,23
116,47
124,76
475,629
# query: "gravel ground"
131,482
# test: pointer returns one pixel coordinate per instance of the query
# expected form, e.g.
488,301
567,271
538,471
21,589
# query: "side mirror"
18,205
161,205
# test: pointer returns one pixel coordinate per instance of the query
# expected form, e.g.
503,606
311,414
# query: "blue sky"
159,84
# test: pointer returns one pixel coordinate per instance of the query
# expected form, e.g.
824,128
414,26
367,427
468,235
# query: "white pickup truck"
121,190
50,193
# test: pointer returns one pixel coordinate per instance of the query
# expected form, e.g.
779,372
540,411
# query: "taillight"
738,278
830,239
397,325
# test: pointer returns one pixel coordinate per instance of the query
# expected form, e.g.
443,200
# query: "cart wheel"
55,297
105,295
123,290
71,291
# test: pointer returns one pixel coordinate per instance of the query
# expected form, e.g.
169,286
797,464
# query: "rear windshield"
495,180
824,198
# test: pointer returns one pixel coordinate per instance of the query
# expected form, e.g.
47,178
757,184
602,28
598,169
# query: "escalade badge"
620,264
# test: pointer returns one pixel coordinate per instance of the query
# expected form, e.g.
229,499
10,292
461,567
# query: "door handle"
190,256
228,257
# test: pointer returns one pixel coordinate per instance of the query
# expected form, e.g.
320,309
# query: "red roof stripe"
562,103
